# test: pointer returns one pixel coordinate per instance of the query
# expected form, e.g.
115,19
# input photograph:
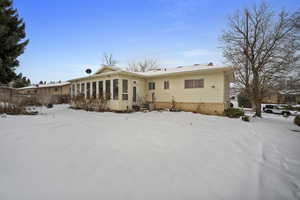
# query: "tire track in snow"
267,164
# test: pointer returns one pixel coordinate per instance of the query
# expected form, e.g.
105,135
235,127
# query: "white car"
277,110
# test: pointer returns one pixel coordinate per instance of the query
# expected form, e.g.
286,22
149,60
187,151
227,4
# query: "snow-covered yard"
72,154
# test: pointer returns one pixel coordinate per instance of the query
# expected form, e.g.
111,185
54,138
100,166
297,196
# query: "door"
134,94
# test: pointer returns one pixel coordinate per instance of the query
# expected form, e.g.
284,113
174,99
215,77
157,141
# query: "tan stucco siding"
226,90
205,108
212,92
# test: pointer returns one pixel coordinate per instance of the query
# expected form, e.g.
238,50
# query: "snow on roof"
45,85
179,69
113,68
164,71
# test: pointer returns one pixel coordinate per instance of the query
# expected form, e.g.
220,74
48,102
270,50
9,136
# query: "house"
291,96
51,90
198,88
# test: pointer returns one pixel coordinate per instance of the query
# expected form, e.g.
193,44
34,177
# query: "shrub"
30,101
244,101
246,118
233,112
297,120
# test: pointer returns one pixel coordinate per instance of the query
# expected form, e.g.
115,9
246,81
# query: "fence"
10,95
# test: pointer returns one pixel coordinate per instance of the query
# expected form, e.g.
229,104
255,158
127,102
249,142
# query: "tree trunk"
257,108
256,94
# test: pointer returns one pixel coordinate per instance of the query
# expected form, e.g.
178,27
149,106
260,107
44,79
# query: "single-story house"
55,92
198,88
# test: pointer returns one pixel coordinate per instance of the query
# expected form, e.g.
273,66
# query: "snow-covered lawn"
67,154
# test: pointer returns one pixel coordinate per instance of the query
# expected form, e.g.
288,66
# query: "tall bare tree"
145,65
262,47
109,60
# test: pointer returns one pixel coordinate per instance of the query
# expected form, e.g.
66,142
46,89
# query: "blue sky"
68,36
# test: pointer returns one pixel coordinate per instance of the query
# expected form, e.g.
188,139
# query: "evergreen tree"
12,34
21,81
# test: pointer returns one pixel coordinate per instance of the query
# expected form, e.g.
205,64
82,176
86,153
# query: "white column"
112,89
85,90
97,89
79,87
104,86
120,89
91,89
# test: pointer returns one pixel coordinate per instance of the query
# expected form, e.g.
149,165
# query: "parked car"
276,110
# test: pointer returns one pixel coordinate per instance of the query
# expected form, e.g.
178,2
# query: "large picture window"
82,88
125,89
94,89
107,89
116,89
194,83
100,88
77,89
88,90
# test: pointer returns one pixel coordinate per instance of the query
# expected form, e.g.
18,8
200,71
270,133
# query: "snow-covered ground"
67,154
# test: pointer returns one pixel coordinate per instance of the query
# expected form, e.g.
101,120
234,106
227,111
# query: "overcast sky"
68,36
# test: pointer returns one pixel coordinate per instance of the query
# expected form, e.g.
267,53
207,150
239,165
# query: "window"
94,90
77,89
88,90
82,88
151,85
73,89
107,89
100,88
166,85
125,89
116,89
195,83
56,89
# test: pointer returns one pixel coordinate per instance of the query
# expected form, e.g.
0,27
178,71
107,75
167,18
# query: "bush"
297,120
246,118
233,112
244,101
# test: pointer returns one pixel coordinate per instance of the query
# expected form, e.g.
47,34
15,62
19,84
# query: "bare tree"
109,60
262,47
147,64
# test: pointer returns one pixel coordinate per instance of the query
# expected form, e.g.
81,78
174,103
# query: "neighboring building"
198,88
51,90
6,93
283,97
